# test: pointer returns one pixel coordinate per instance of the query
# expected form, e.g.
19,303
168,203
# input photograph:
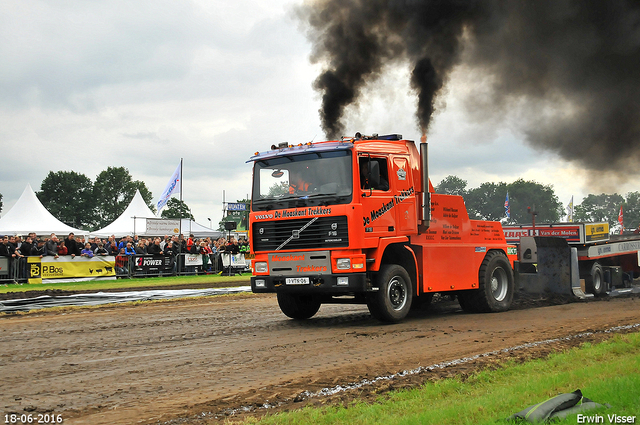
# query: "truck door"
376,195
404,195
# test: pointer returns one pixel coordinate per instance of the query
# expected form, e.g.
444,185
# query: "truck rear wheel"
594,281
298,306
496,288
391,303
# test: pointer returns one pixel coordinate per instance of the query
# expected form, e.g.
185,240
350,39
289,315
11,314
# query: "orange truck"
356,220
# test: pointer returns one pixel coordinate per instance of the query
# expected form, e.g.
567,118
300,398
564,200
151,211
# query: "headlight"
261,267
343,263
260,283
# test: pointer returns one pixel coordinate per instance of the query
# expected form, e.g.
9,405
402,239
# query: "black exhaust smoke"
570,68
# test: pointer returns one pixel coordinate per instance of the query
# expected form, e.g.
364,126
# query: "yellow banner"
74,267
34,270
596,232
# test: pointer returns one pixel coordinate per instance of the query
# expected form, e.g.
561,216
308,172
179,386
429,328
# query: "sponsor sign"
230,260
596,232
34,268
162,226
152,264
65,267
191,260
578,233
4,266
236,207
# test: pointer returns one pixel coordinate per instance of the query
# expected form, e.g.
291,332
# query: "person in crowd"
51,245
62,249
141,249
100,250
72,246
129,249
155,248
87,251
13,246
232,247
25,247
122,264
39,249
183,243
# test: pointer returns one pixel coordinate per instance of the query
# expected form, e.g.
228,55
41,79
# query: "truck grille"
305,233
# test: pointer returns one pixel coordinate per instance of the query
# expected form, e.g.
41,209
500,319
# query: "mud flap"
558,407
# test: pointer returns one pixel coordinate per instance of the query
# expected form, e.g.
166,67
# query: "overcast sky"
88,85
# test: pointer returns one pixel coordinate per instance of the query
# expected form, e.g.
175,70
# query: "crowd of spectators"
14,247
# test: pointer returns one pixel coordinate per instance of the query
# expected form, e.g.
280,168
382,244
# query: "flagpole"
181,159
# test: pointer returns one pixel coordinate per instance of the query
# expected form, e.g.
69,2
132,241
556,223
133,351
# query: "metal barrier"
16,270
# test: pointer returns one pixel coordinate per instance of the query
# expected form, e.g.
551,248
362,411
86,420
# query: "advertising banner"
4,266
65,267
152,265
34,270
162,226
230,260
236,207
191,260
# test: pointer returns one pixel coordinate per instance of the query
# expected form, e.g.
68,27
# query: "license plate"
297,281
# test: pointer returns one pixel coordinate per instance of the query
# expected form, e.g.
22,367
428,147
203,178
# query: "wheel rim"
397,293
499,284
597,281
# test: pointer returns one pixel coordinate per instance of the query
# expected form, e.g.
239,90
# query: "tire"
392,302
298,306
496,286
594,281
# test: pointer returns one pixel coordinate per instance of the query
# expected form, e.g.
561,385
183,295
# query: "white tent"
133,221
29,215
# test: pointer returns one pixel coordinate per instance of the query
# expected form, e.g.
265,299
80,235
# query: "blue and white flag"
172,188
507,208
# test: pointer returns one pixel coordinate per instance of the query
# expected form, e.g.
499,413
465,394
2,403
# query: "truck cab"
356,221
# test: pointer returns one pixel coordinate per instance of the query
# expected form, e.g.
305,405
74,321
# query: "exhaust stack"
426,195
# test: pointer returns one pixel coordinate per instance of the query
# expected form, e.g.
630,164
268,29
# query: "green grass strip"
607,372
100,285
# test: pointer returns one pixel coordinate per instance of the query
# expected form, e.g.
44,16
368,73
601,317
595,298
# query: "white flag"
570,211
172,188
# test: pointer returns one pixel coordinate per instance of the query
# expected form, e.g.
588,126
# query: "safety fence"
50,269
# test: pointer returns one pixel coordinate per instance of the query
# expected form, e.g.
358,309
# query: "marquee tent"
29,215
133,221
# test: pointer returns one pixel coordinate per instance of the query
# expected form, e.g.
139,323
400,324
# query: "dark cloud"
569,68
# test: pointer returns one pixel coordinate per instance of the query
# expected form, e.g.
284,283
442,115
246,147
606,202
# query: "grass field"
130,283
608,372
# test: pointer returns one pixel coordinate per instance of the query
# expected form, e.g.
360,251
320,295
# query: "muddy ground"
215,358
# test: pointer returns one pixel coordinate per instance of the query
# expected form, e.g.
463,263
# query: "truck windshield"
301,180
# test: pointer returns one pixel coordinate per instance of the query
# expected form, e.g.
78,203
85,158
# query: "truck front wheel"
391,303
298,306
496,287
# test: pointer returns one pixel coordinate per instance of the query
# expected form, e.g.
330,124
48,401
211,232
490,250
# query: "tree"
113,190
603,207
487,201
176,209
542,198
452,185
68,196
631,209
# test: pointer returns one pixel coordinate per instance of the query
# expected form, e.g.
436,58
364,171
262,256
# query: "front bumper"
319,284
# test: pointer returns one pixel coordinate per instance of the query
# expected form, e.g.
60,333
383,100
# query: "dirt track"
161,361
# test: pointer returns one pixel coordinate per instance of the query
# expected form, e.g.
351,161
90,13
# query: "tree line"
76,200
487,202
